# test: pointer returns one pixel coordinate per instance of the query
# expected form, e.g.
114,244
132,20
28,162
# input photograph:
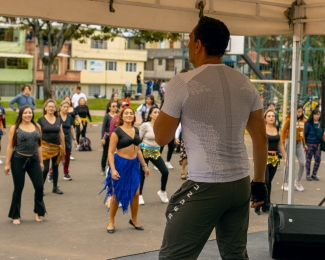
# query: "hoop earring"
121,122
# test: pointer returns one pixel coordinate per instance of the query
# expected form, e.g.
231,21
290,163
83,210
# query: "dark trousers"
313,150
19,165
160,164
196,209
55,170
66,161
269,175
171,146
82,133
105,154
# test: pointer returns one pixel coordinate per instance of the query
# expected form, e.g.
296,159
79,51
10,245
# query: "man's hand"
258,193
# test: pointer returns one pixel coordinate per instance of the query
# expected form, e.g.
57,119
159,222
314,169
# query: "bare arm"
282,150
9,150
111,150
256,129
143,163
164,128
39,149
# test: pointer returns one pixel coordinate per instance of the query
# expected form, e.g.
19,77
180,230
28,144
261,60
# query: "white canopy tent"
243,17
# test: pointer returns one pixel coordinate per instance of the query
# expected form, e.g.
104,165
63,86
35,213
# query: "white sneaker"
71,158
153,167
0,161
163,196
120,205
141,200
169,165
78,146
285,187
298,186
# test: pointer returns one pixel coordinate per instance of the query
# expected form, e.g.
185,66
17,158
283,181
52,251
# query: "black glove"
258,191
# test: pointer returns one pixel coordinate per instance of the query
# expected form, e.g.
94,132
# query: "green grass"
11,117
93,104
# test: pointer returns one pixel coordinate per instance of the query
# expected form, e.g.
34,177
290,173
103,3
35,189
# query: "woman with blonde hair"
68,130
24,154
275,144
123,181
53,145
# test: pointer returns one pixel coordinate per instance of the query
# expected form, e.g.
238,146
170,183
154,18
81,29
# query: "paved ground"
75,227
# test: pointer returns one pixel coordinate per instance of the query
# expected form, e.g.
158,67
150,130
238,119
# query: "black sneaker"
257,212
315,178
67,177
56,190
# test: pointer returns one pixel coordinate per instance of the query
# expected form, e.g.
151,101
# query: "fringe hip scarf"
50,150
272,158
83,121
127,185
150,151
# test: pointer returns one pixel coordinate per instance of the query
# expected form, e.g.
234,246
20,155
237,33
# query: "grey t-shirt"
214,102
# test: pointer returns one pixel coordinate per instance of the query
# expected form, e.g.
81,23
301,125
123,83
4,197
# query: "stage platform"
257,247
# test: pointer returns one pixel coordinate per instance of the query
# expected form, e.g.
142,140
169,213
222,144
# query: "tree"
54,34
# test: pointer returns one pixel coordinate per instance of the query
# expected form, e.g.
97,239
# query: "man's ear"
198,46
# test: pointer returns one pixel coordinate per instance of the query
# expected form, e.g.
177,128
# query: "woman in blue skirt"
123,180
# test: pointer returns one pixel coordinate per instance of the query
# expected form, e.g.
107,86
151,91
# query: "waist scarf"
50,150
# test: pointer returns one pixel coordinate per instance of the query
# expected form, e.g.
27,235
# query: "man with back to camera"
218,190
76,96
24,98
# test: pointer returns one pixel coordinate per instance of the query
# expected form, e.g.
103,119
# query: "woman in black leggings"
53,145
151,152
24,153
274,145
83,112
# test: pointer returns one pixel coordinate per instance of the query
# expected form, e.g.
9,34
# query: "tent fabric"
243,17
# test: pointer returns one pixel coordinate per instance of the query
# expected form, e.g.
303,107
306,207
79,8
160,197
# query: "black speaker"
296,232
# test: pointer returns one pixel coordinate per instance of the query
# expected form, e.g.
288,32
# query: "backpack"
84,144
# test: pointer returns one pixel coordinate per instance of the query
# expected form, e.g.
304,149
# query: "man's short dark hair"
79,88
213,34
270,104
25,86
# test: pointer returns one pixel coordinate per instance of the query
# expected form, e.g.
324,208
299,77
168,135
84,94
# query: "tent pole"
297,37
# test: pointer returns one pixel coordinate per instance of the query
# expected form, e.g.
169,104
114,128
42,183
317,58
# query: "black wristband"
258,191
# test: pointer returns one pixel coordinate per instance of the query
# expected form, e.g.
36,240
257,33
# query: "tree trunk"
47,87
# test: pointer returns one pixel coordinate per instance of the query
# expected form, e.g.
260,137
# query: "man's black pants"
196,208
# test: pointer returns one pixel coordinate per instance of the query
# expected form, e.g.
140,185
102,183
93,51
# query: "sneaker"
298,186
308,178
169,165
155,168
141,200
257,212
50,178
314,177
163,196
71,158
67,177
102,172
285,187
57,191
120,205
0,161
78,146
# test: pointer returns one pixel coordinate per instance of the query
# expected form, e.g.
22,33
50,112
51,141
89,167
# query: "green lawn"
93,103
11,117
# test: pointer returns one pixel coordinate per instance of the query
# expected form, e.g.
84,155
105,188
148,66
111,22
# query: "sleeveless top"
273,141
124,140
27,142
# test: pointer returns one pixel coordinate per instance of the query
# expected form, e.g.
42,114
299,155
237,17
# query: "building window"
159,61
55,67
98,44
149,64
80,64
131,67
170,64
9,35
93,90
13,63
111,65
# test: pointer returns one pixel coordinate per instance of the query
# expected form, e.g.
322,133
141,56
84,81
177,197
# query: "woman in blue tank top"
24,153
123,180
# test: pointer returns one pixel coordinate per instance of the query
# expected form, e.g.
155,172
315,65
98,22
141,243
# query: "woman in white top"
151,152
183,155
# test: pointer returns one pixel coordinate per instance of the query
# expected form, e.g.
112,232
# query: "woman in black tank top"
274,145
123,180
24,154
